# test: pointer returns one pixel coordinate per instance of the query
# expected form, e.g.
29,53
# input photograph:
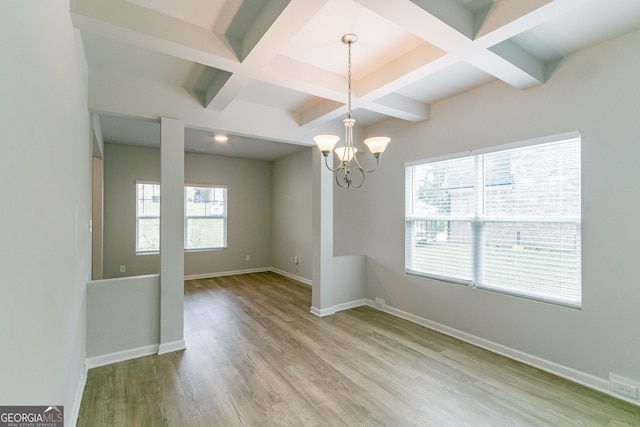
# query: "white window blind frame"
531,244
438,232
565,136
556,138
506,256
147,217
205,223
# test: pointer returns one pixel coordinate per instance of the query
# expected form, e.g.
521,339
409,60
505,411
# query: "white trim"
352,304
248,271
566,372
120,279
77,401
322,313
121,356
226,273
191,184
292,276
442,158
559,137
171,346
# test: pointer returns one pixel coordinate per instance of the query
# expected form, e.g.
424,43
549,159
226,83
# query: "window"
147,217
205,220
505,220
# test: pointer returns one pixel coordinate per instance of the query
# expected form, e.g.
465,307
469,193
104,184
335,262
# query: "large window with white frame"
506,219
147,217
205,217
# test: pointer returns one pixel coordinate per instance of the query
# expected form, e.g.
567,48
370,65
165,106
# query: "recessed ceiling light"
221,138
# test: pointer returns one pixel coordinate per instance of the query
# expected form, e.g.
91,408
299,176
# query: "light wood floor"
256,356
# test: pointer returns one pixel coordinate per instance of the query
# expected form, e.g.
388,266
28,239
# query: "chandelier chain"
349,82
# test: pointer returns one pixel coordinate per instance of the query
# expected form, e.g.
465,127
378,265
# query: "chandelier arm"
326,162
362,169
338,181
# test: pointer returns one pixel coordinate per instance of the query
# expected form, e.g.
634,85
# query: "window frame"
478,222
223,216
138,217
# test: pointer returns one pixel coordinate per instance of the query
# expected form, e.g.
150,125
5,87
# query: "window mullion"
477,226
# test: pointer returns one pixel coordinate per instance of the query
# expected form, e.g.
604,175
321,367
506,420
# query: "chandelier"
347,152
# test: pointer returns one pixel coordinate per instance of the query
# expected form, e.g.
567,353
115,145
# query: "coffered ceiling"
272,73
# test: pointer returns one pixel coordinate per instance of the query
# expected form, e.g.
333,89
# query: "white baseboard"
568,373
77,401
351,304
339,307
171,346
291,276
324,312
121,356
248,271
227,273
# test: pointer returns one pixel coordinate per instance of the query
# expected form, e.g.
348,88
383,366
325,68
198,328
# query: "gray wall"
123,165
596,92
249,210
45,188
122,314
291,218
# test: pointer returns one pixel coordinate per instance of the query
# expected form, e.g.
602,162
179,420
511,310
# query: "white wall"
596,92
45,188
291,217
249,210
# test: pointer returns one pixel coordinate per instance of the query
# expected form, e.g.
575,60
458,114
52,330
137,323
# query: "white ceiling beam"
303,77
446,26
533,69
282,26
322,112
496,54
124,95
407,69
450,12
131,24
420,22
221,78
502,13
401,107
368,91
508,18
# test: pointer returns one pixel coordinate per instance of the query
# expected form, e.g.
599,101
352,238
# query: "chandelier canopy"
347,153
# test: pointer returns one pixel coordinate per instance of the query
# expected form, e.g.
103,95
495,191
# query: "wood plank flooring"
256,357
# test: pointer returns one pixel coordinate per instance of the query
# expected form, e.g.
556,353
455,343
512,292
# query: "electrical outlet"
295,259
247,258
623,386
123,269
380,302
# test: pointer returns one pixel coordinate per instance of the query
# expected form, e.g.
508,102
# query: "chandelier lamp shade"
347,153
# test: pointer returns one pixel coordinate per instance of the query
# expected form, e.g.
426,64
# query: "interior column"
171,235
322,222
